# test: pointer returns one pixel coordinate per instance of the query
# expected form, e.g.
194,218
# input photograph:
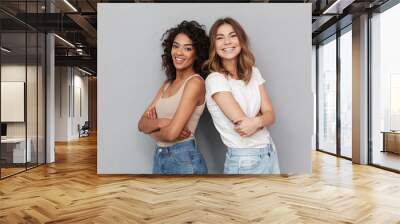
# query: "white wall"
61,103
12,73
129,74
17,72
67,81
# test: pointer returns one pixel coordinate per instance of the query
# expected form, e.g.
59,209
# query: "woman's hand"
151,113
185,133
148,123
248,126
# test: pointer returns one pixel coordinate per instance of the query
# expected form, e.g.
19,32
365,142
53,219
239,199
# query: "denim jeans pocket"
249,164
182,158
177,163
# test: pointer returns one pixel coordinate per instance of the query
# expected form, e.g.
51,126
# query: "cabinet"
13,150
391,141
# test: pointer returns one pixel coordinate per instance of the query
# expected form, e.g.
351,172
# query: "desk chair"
84,130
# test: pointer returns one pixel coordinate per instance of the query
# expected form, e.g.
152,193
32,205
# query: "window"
346,93
385,88
327,96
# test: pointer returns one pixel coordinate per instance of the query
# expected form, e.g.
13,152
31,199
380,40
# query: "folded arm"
264,118
156,135
149,123
267,116
229,106
245,126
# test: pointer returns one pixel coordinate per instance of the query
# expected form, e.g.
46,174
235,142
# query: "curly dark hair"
200,41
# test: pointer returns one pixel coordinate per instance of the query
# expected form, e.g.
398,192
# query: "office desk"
15,148
391,141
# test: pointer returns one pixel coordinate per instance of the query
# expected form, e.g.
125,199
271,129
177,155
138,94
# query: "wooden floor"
5,172
70,191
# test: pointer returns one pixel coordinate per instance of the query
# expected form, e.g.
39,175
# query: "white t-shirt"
249,99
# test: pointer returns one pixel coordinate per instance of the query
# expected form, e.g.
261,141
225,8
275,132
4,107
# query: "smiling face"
182,52
227,43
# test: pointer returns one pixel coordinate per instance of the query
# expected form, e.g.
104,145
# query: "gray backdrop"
129,75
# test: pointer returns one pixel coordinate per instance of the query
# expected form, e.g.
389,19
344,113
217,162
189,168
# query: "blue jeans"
252,161
181,158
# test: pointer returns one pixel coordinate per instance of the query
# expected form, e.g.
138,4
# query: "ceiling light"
338,6
84,71
65,41
70,5
5,50
329,9
79,51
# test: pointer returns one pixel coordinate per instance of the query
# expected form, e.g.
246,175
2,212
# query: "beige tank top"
167,106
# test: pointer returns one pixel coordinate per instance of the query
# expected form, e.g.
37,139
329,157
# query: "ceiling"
77,22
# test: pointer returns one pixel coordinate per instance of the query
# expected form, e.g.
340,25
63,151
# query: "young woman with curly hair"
172,117
238,102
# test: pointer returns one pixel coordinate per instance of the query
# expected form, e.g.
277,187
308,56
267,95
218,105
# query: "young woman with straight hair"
238,102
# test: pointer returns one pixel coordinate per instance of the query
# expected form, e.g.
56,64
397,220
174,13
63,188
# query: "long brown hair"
245,60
